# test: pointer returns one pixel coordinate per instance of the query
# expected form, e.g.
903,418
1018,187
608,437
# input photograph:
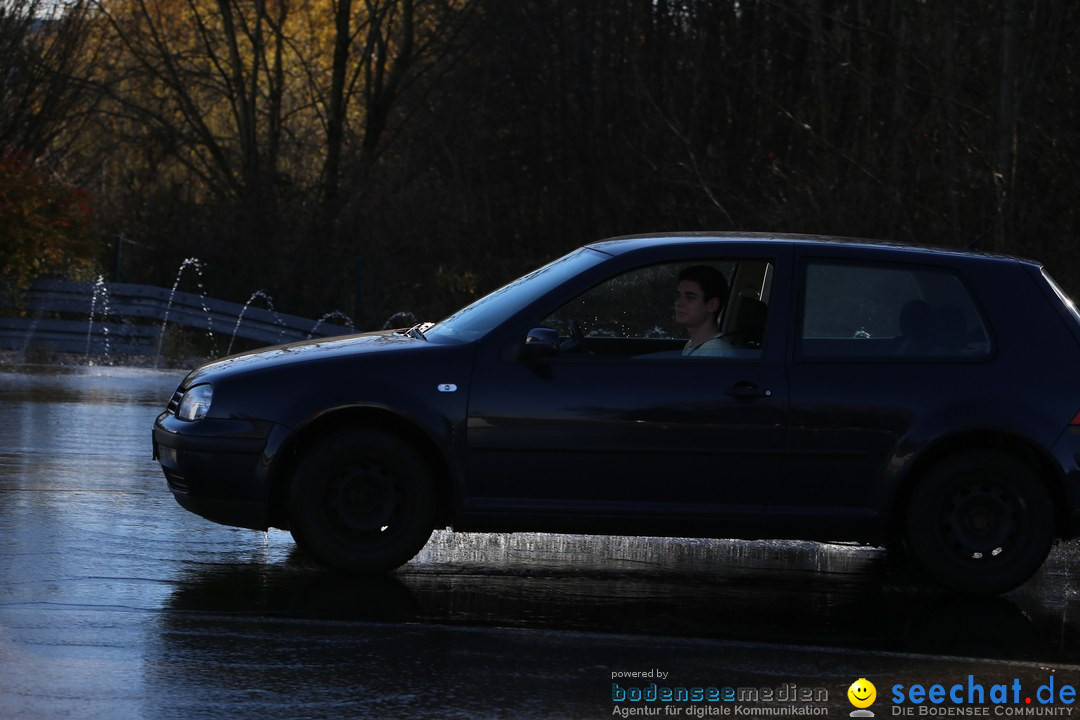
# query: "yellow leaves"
234,87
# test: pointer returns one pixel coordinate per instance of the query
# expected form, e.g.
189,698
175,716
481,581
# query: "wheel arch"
358,417
1040,461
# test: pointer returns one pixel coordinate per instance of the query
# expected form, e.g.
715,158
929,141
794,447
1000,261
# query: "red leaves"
45,224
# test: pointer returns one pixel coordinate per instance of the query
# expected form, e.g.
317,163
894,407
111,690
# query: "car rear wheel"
980,521
362,501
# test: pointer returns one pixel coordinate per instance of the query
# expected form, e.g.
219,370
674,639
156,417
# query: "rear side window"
889,311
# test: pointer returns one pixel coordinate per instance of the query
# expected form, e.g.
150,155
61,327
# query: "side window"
633,314
890,311
632,305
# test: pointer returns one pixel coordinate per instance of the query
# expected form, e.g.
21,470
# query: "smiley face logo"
862,693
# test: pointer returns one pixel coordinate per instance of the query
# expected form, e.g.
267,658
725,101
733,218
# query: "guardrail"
126,319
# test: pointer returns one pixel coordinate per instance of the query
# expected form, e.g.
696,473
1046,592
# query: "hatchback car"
925,400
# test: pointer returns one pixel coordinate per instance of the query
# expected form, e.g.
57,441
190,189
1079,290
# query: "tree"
280,140
267,116
45,222
46,225
43,51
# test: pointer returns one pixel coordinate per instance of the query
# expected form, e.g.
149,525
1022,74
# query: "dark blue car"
925,400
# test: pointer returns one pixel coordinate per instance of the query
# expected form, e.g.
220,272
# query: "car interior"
863,311
631,315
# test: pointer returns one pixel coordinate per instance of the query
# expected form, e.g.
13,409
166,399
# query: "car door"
883,346
627,427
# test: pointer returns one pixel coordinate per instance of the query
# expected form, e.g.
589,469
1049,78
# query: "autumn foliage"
45,225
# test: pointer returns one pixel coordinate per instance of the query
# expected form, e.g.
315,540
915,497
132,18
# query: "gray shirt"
714,346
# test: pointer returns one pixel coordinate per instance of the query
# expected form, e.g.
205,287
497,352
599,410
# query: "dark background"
423,152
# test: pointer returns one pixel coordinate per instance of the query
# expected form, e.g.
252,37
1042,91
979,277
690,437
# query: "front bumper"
219,469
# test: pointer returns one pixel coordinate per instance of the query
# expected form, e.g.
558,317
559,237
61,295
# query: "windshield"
477,319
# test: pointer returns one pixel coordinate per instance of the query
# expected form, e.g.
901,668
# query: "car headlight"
196,403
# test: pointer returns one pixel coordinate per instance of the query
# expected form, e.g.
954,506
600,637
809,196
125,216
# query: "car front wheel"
362,501
980,521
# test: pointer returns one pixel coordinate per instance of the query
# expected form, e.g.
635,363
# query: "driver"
699,298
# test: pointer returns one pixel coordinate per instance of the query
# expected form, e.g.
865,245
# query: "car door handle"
748,391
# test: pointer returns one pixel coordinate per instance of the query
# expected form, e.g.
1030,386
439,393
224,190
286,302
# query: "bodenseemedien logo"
862,694
661,695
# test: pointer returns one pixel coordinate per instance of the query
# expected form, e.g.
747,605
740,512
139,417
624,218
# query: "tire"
980,521
362,501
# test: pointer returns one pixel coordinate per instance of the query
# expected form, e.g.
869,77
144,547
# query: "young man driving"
699,298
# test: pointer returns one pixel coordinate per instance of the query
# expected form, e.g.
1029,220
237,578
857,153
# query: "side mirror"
541,342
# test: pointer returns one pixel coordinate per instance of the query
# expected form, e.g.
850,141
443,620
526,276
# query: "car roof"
629,243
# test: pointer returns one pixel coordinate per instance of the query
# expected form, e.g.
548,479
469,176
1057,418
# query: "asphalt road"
116,603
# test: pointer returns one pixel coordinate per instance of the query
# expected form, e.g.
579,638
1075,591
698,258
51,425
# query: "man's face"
691,309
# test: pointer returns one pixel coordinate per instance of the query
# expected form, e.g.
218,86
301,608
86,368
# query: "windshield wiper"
417,331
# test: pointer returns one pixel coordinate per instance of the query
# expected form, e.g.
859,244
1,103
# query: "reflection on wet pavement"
116,602
783,602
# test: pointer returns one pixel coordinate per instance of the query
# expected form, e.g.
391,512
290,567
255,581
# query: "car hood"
308,351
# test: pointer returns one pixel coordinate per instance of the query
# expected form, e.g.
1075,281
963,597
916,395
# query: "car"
925,400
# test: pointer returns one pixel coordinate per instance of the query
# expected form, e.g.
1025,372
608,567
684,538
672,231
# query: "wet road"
114,602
